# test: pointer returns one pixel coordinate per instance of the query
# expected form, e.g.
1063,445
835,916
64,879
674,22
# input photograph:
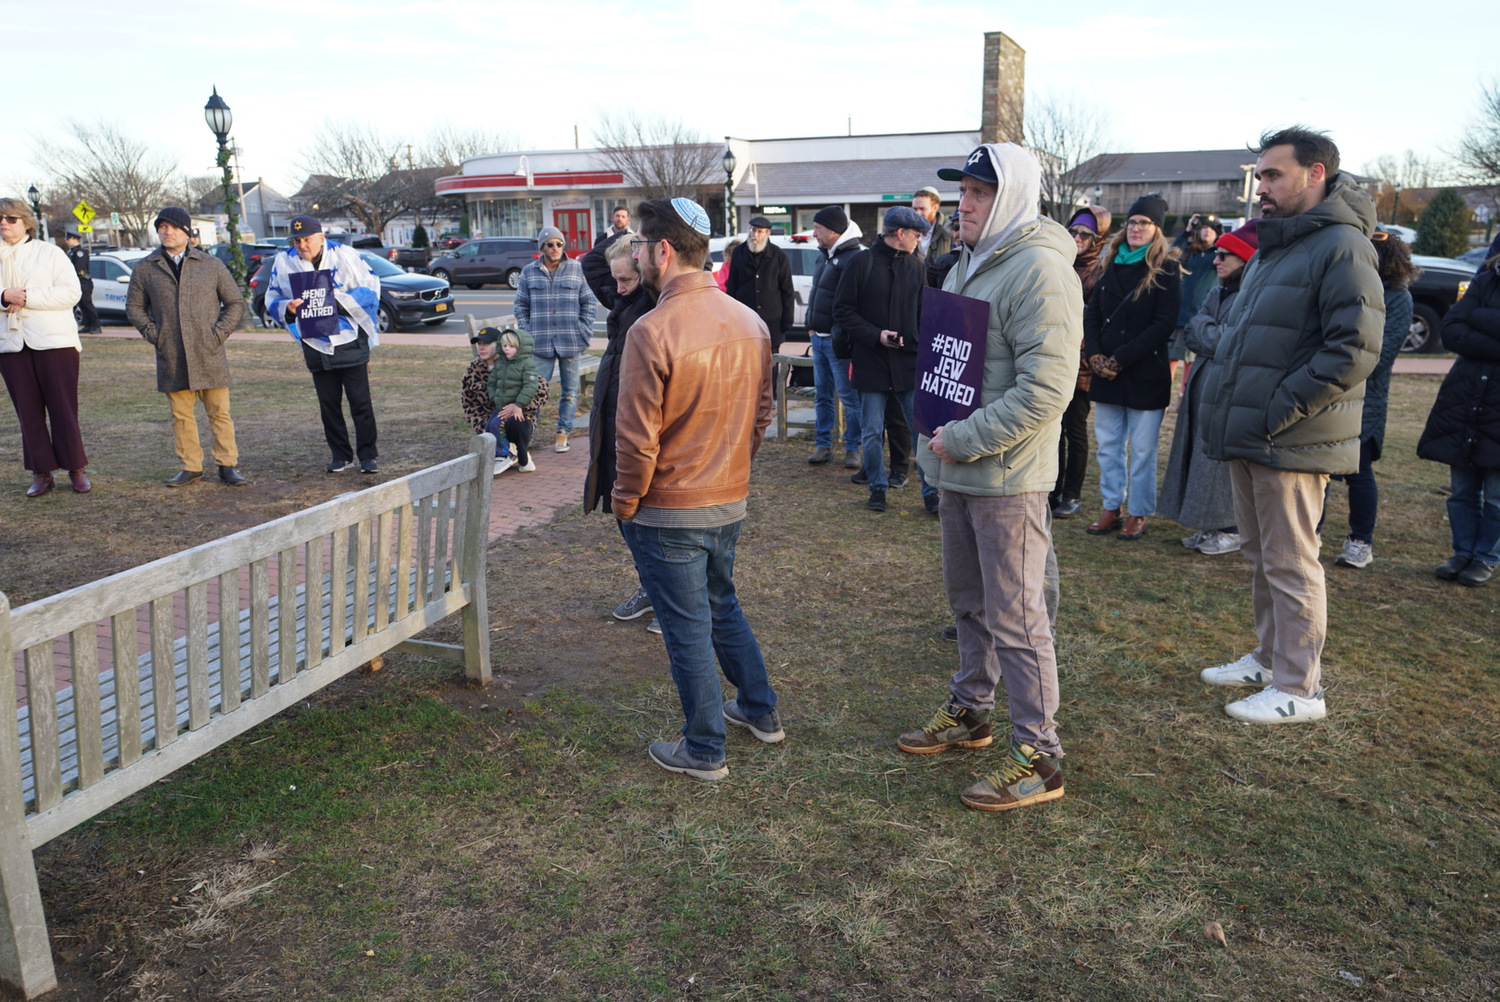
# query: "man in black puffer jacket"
838,239
1283,407
877,307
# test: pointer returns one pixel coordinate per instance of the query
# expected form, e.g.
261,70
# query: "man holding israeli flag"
325,294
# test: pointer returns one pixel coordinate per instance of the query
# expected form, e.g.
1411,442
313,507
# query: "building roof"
843,180
1181,165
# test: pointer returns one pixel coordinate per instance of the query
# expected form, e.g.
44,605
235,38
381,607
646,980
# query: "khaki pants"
1278,514
185,427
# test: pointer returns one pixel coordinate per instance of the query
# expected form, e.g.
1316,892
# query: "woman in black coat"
1463,429
1126,326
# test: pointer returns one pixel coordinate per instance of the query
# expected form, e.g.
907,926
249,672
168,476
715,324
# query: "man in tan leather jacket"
694,405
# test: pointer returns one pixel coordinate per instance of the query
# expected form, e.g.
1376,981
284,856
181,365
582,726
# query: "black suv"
486,259
405,299
1441,284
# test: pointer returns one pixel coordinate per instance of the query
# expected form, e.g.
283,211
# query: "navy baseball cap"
305,226
906,218
979,166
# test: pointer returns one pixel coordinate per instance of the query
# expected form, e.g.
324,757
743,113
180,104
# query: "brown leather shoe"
41,483
80,481
1107,522
1134,527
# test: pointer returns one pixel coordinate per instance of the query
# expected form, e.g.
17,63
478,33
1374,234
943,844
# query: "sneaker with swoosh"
1024,777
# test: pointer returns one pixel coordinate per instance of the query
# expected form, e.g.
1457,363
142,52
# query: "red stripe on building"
566,179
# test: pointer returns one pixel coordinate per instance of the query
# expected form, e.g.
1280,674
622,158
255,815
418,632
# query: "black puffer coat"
825,284
1464,426
1134,332
881,289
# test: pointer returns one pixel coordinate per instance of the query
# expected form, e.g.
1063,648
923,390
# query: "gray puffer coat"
1288,383
186,318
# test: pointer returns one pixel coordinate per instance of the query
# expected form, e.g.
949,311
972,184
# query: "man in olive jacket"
185,303
1283,406
995,468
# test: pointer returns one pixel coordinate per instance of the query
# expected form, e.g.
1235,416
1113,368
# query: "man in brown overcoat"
186,304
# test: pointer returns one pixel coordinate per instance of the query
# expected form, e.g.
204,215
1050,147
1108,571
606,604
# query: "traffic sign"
85,228
84,211
114,219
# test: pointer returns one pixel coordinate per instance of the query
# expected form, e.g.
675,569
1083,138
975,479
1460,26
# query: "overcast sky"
1381,76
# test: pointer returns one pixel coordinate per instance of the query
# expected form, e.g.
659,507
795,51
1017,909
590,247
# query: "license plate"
441,307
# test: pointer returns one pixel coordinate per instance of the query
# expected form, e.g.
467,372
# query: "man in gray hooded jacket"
1283,406
995,468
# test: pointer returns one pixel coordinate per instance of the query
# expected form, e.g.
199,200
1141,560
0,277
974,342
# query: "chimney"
1002,117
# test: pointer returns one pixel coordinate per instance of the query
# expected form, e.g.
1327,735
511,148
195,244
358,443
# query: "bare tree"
1408,172
114,172
661,157
447,145
1070,135
1479,149
354,170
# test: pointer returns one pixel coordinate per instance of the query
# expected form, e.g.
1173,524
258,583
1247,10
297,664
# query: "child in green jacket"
513,383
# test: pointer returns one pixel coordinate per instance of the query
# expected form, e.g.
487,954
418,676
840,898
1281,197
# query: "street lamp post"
216,114
1395,202
729,163
36,210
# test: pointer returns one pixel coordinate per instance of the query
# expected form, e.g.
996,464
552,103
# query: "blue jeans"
872,426
1114,427
689,574
1474,514
567,404
830,378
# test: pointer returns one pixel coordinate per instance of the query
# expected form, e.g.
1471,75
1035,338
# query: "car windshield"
380,266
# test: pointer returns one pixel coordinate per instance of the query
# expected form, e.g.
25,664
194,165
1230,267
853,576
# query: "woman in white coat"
39,349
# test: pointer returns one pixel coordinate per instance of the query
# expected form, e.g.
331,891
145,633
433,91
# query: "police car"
110,271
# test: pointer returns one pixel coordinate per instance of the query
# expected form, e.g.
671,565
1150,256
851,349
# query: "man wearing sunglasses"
556,307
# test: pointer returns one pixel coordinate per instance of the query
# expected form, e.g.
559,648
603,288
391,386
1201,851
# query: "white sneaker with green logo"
1245,672
1272,706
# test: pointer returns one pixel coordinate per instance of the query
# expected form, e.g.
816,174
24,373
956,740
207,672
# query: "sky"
1381,76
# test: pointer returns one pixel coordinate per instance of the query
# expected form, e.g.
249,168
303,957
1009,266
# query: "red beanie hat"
1243,242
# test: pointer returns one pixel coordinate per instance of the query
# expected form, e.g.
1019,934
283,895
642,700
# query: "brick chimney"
1002,118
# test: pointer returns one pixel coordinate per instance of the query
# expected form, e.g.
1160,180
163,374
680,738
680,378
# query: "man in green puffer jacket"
1283,407
995,468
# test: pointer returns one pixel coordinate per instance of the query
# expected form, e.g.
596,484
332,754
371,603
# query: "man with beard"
937,241
1283,406
554,305
760,276
695,402
620,219
995,468
838,239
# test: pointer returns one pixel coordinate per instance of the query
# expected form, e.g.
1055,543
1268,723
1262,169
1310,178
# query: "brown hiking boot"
1025,776
950,727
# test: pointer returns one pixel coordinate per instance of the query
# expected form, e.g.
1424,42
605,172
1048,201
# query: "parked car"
363,241
448,241
406,300
1404,232
406,258
252,253
802,251
1441,284
1475,257
110,271
486,260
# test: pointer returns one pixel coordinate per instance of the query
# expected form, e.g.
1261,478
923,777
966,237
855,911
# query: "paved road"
491,301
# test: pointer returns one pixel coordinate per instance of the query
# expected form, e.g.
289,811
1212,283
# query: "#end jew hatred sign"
950,358
318,316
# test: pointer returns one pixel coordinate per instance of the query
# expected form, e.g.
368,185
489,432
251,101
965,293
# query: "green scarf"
1127,256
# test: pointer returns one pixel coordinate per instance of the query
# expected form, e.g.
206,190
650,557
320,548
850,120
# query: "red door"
574,224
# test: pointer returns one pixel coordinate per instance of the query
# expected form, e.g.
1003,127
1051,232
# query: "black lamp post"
36,210
728,161
1395,202
216,114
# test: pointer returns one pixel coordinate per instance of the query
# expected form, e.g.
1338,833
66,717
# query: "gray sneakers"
674,756
634,607
1219,542
1356,553
767,727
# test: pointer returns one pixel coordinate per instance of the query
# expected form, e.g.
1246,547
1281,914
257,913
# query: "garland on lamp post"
219,119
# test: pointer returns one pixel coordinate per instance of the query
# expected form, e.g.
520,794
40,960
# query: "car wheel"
513,278
435,322
1424,335
442,273
475,285
385,322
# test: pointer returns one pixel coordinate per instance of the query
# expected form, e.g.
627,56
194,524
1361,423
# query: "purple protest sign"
950,358
318,316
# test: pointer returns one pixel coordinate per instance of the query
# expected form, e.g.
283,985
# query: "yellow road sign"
85,228
84,211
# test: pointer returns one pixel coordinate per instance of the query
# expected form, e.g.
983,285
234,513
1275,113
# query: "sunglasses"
1220,255
1082,231
10,219
553,243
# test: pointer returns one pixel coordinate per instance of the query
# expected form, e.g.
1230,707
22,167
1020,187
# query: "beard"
756,246
1288,207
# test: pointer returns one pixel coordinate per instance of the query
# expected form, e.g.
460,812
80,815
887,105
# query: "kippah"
692,213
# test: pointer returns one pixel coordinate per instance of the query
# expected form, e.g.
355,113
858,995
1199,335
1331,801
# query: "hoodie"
1015,203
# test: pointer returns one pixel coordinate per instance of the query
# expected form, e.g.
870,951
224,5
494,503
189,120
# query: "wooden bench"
779,381
372,569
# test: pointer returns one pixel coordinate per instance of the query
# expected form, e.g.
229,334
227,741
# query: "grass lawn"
404,837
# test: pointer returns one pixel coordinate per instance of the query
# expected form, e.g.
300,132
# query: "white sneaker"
561,444
529,466
1220,542
515,451
1356,553
1191,542
1272,706
1245,672
502,463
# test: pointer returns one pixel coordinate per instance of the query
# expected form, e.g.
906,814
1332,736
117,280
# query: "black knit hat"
832,217
1153,207
174,215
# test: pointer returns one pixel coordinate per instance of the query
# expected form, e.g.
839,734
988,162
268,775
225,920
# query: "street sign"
114,219
84,212
897,198
85,228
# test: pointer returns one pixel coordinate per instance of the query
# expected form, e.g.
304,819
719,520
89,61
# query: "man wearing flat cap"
760,276
186,304
876,308
338,354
